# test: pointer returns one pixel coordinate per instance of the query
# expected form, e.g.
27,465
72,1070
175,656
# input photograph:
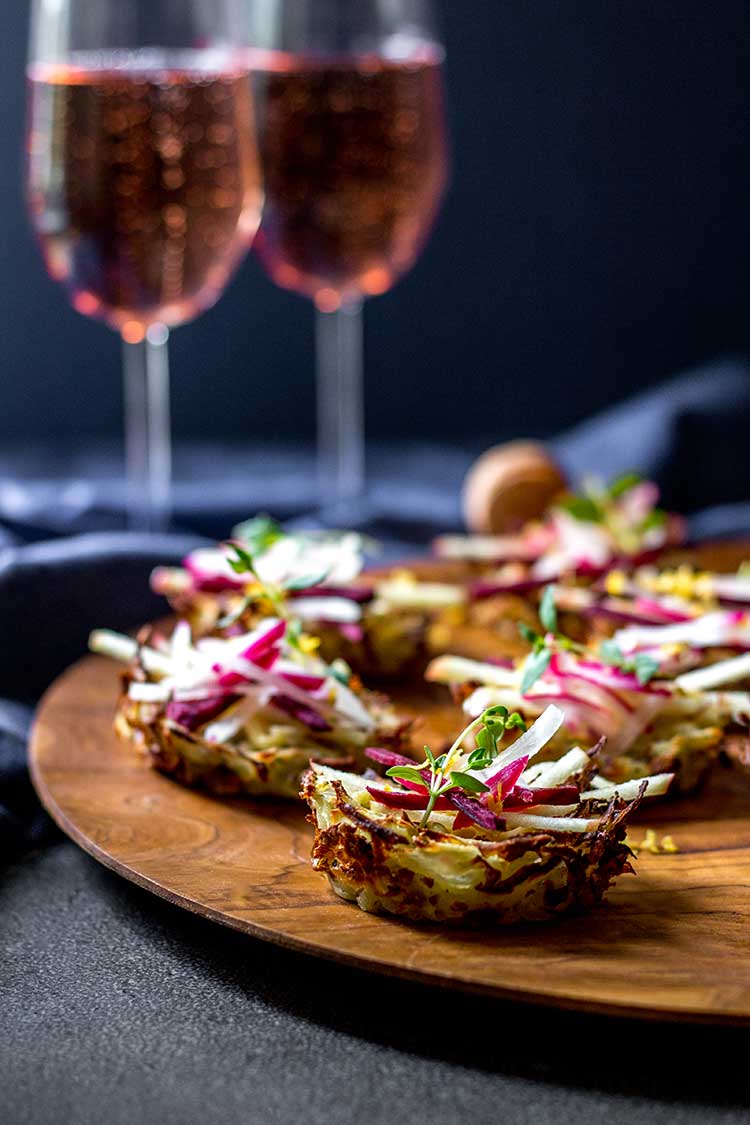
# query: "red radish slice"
474,810
404,799
523,796
504,780
211,572
388,758
528,745
305,715
193,715
488,588
359,594
261,644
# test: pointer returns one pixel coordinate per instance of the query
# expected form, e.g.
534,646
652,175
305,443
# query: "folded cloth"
22,822
51,596
56,492
689,433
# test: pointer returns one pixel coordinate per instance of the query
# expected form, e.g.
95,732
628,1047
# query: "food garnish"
620,690
484,833
259,705
379,627
585,534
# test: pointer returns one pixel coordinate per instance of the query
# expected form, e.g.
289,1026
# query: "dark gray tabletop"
118,1007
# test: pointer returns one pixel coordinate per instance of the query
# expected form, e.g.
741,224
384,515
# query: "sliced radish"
548,823
338,610
656,786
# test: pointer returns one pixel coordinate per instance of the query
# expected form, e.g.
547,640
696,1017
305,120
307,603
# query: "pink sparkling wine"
143,182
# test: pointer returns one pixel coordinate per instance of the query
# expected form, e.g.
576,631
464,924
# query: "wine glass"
353,142
143,185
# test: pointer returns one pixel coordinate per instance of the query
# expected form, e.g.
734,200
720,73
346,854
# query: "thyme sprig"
243,561
598,503
438,774
642,665
544,645
258,534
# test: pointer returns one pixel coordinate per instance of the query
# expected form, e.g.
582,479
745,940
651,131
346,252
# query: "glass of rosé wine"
144,185
353,140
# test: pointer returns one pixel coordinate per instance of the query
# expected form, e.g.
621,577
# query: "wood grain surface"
671,942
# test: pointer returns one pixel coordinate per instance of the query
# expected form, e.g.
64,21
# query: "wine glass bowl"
355,161
144,184
353,141
143,181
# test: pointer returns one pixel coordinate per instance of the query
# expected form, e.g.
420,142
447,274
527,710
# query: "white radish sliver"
548,823
461,670
724,672
341,610
550,774
478,702
656,786
420,595
703,632
528,745
115,645
149,693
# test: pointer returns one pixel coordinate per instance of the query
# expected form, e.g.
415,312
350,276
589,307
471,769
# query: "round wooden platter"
673,942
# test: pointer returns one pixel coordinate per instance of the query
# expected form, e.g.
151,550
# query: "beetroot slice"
405,799
309,717
523,797
192,714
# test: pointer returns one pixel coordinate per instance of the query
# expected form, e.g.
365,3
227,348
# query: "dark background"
594,241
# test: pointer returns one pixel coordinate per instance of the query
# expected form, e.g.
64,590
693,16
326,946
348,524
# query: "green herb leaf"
516,720
496,711
430,756
259,534
294,631
645,667
485,740
306,581
548,610
340,670
232,618
242,563
582,508
528,633
468,783
657,517
623,484
535,666
479,758
642,665
611,653
405,773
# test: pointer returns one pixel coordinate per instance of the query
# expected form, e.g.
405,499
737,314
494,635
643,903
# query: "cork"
509,485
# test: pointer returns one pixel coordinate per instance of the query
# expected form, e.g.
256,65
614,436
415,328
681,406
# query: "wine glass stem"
340,391
148,437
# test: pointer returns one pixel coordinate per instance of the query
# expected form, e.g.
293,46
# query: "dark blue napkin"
689,433
52,595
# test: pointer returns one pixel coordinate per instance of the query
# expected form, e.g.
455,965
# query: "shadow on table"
666,1061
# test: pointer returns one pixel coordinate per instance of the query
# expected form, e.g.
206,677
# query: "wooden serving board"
672,942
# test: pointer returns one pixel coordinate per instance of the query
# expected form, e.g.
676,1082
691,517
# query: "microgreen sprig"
543,645
643,666
243,561
258,534
438,775
597,503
